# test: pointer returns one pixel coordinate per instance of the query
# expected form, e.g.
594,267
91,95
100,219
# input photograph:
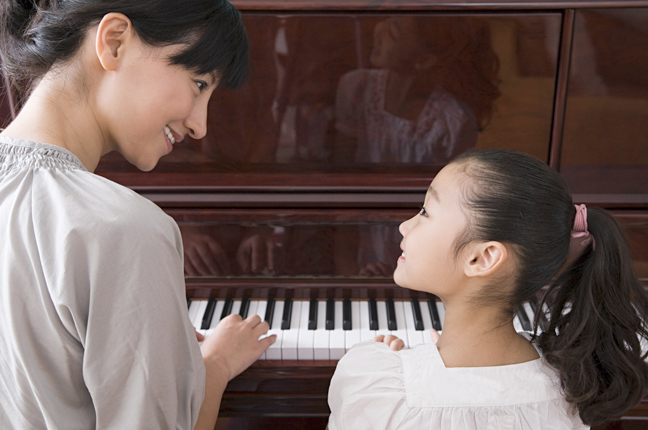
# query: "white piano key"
258,307
200,313
365,332
517,324
291,335
218,309
382,318
193,310
414,337
351,337
336,336
401,331
441,308
306,336
236,307
274,351
321,336
427,321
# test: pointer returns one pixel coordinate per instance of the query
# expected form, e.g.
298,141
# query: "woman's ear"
485,258
113,34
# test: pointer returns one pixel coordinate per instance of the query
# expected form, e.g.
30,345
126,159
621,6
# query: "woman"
94,331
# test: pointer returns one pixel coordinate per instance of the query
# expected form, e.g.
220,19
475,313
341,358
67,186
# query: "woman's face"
147,105
428,261
396,46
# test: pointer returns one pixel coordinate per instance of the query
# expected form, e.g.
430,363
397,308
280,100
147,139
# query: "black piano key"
287,314
346,314
227,308
245,307
330,314
209,313
312,314
524,319
269,311
373,314
188,302
416,311
434,314
534,305
391,315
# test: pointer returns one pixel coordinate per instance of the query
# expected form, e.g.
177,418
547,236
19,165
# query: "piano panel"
384,93
605,143
315,245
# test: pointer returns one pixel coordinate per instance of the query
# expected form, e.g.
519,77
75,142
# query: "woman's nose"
196,122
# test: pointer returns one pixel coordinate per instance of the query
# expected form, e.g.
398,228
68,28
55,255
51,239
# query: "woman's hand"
234,344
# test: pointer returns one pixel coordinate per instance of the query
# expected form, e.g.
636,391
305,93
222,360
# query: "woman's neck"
56,114
400,97
478,337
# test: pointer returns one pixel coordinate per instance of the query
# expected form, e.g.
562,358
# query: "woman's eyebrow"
434,193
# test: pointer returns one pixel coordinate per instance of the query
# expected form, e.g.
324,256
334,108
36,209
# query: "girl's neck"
57,115
477,337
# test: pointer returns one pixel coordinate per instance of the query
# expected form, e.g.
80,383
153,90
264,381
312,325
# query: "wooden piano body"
571,88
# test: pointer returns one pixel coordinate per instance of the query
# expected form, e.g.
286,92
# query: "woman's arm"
233,347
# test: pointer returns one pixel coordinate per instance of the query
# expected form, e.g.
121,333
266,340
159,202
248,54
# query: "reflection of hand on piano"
203,255
256,254
381,268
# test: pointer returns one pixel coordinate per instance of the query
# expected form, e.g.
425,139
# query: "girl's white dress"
376,388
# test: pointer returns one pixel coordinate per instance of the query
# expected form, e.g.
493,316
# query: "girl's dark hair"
466,66
596,304
37,34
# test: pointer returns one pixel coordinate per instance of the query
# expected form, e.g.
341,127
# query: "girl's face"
395,46
428,261
148,104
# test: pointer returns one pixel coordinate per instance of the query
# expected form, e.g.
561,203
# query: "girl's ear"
113,34
484,259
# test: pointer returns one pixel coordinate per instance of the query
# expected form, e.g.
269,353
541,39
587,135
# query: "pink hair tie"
580,237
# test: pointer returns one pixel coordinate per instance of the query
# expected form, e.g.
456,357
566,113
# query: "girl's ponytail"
596,330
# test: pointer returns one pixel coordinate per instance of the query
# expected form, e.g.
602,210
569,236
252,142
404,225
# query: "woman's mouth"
169,134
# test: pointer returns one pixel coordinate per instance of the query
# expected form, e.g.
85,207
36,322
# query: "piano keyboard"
324,329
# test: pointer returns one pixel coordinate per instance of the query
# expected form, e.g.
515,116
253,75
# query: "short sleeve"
116,278
367,390
349,102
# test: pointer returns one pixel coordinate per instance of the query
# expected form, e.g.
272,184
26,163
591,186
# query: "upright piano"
351,108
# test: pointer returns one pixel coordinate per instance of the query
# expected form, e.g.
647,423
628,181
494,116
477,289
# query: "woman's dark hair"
596,305
37,34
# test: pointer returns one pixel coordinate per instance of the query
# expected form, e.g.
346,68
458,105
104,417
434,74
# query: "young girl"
495,229
94,330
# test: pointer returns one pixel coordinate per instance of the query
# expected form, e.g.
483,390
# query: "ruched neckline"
25,154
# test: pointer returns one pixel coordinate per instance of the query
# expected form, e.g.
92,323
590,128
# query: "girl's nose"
405,226
196,122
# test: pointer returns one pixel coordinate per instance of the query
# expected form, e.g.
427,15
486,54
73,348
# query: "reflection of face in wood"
396,45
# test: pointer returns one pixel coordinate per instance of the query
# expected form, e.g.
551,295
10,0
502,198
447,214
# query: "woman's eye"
423,212
202,85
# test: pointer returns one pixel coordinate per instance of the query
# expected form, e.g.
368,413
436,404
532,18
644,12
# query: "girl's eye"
423,212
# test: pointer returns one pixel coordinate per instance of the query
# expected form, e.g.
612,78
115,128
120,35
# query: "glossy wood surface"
475,5
317,105
605,141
